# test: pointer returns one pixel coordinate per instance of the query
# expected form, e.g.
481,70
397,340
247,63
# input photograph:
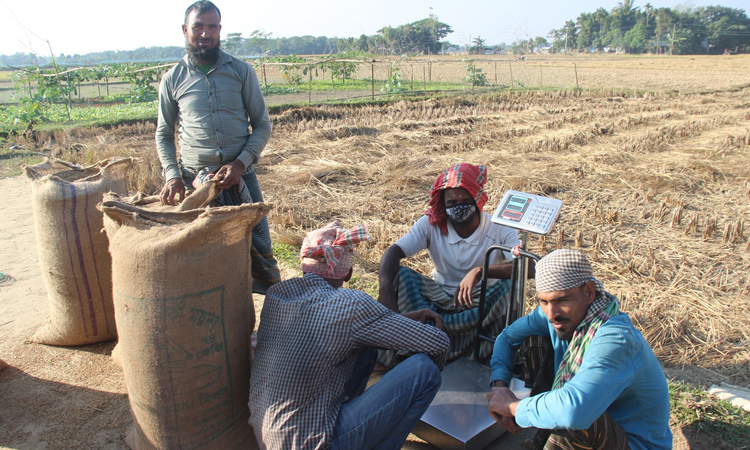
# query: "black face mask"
462,213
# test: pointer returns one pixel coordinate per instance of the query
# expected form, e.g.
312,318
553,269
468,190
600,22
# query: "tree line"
679,31
423,36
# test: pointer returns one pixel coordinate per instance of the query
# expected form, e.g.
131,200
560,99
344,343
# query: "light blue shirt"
619,374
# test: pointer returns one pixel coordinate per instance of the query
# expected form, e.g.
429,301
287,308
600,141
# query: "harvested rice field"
655,187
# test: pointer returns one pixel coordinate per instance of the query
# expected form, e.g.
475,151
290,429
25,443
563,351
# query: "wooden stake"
265,80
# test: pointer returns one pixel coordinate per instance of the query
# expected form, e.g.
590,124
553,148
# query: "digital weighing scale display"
527,212
514,208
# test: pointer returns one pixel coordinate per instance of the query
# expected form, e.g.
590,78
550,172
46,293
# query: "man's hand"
172,189
424,315
502,408
232,174
462,297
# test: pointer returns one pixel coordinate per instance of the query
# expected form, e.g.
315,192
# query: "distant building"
543,49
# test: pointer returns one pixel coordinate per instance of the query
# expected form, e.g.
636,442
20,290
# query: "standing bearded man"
215,98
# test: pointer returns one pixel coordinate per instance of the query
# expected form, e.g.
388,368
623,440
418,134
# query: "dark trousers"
534,363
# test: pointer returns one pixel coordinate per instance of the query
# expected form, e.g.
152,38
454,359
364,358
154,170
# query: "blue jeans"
384,415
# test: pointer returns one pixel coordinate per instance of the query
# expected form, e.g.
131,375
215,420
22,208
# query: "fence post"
495,73
372,75
412,78
429,63
576,68
309,84
424,77
510,64
265,80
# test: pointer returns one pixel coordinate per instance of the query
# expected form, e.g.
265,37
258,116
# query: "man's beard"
564,335
203,55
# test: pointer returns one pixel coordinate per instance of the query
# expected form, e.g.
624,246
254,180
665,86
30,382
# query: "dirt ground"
649,184
60,398
64,398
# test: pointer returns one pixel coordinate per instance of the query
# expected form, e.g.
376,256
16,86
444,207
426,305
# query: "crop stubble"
655,189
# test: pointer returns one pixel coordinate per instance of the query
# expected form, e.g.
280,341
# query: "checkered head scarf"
328,251
467,176
565,269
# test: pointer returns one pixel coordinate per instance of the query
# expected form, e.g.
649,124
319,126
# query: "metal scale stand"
458,418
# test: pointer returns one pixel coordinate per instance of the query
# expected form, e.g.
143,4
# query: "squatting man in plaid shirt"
317,347
609,391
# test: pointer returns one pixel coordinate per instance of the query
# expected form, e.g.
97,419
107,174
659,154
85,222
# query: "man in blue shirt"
609,390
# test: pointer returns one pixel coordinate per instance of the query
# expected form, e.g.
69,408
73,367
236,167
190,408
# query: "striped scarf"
466,176
604,306
328,251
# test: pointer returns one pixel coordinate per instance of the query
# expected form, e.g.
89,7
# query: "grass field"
651,162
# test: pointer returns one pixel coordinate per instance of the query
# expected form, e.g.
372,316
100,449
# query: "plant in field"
36,91
393,83
474,75
291,71
141,78
341,67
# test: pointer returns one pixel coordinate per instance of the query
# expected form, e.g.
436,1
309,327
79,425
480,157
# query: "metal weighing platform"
457,418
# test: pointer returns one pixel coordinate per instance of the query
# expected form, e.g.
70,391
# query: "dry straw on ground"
656,191
642,179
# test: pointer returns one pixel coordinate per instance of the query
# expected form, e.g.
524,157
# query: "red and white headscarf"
467,176
327,251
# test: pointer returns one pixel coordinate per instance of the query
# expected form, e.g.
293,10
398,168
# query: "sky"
84,26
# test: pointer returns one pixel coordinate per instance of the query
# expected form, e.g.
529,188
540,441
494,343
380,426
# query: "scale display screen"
514,208
527,212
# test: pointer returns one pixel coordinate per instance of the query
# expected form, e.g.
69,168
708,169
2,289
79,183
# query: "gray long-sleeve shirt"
213,112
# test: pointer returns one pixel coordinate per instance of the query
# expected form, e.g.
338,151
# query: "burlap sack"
73,250
200,198
184,312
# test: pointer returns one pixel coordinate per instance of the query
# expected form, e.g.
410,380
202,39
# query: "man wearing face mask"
456,233
214,99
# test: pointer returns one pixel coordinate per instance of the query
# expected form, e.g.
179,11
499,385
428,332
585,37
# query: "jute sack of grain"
184,312
196,199
73,250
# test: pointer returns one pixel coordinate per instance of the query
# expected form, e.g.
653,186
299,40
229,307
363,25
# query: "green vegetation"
51,96
56,116
368,287
696,408
474,75
286,254
393,83
680,31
